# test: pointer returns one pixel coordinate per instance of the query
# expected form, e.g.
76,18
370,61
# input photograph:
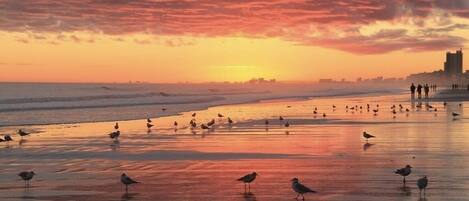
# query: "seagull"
7,138
149,125
220,115
266,122
280,118
163,109
230,121
422,184
454,114
203,126
116,126
287,124
315,112
193,124
114,135
193,114
148,120
300,188
126,180
175,123
407,110
210,123
375,110
2,140
22,133
367,135
404,172
247,179
444,103
323,114
26,177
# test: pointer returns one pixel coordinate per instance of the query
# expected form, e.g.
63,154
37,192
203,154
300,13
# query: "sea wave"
174,102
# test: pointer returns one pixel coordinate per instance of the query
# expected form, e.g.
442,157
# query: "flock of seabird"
296,186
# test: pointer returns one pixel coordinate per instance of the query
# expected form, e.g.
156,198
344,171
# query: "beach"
79,161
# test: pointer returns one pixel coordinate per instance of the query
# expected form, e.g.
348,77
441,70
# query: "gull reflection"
367,145
405,190
249,196
22,141
128,196
115,145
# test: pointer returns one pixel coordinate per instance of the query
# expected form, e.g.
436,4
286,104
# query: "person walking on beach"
412,90
426,89
419,91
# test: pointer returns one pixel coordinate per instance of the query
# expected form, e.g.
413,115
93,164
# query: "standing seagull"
193,114
148,120
175,124
8,138
230,121
26,177
193,124
115,135
149,125
455,114
220,115
116,126
404,172
422,184
22,133
127,181
287,124
247,179
300,188
210,123
367,135
280,118
203,126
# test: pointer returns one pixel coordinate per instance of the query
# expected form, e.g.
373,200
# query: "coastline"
221,101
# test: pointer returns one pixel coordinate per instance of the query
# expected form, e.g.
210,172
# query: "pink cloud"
291,20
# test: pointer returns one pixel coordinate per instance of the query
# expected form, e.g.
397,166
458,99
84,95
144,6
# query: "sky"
226,40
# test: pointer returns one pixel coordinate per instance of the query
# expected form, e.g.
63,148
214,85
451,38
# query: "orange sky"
40,44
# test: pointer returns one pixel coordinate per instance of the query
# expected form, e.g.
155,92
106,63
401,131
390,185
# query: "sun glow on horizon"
91,57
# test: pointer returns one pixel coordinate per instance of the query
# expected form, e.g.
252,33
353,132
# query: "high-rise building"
453,63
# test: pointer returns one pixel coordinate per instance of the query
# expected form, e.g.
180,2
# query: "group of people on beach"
426,89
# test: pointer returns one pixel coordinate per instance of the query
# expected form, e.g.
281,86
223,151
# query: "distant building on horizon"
453,63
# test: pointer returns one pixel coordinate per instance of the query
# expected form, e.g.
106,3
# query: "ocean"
59,103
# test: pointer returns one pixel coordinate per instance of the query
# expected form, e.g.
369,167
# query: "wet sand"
79,161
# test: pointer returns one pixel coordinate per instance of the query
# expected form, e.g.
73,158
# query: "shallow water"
79,161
